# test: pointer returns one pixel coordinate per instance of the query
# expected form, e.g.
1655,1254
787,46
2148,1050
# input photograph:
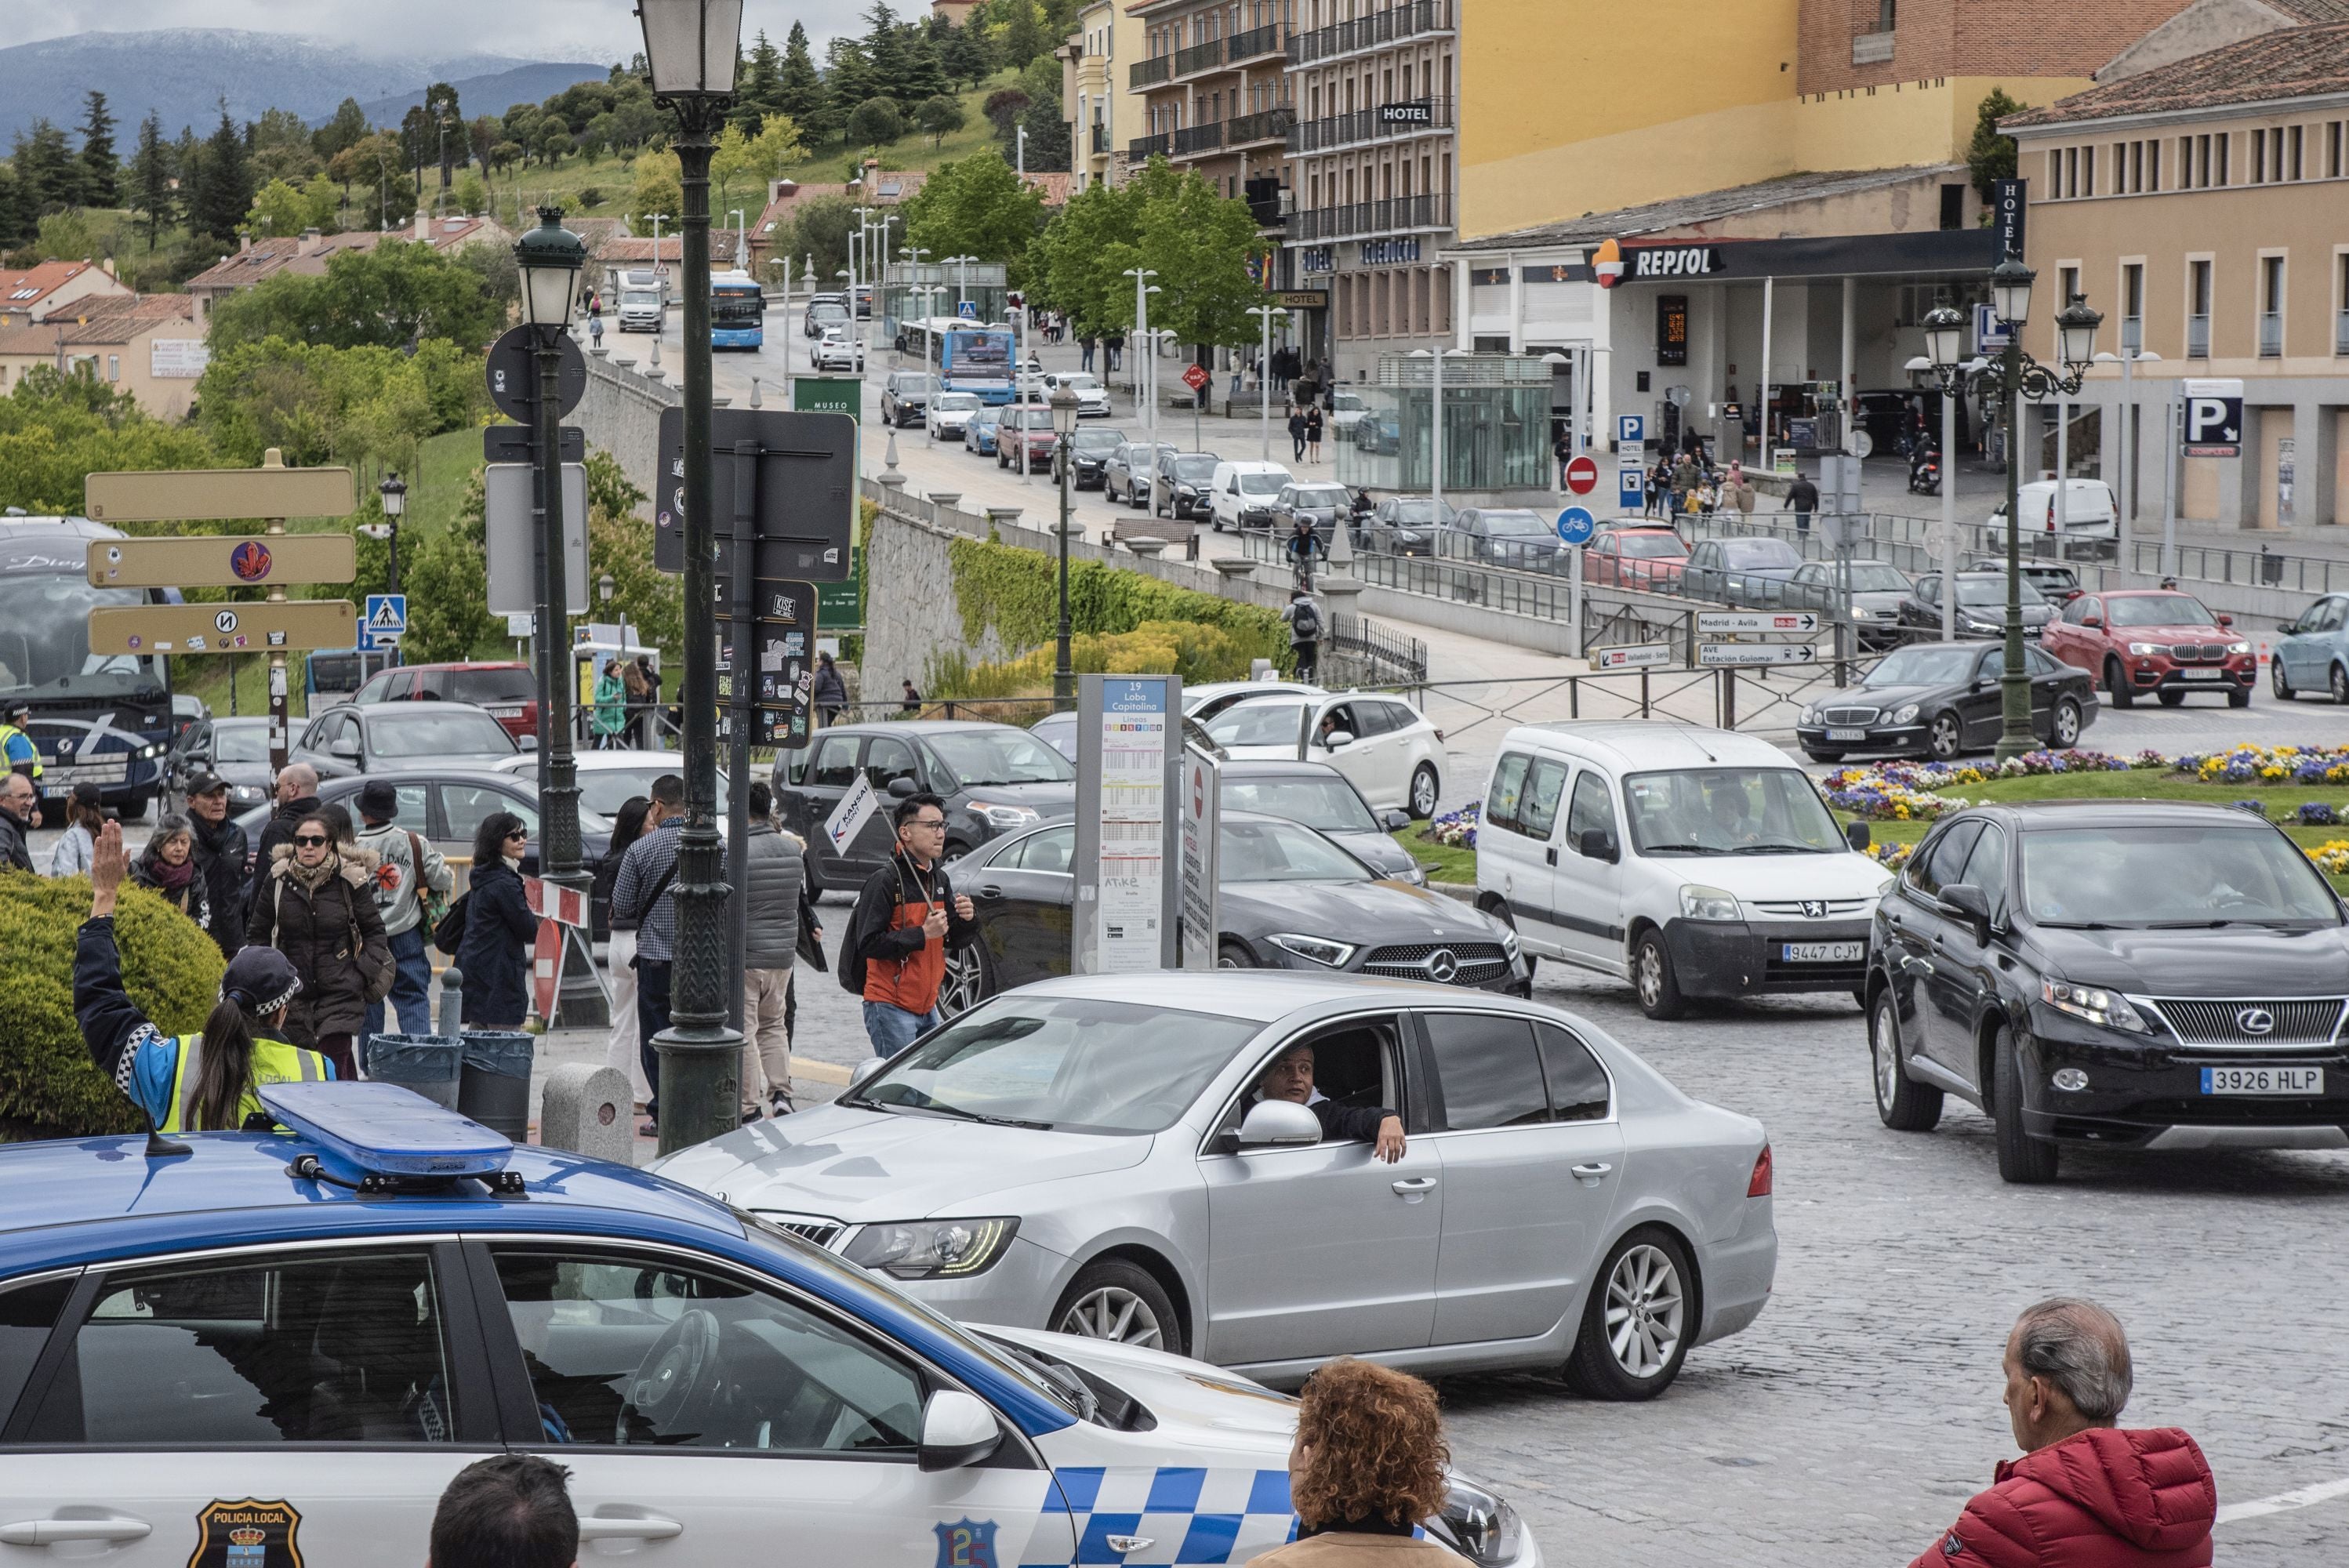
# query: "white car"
1240,495
609,779
1346,410
1092,398
1691,862
2090,515
1204,702
837,351
949,415
1389,750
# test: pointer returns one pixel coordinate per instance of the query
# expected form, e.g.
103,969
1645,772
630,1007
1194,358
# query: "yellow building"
1089,95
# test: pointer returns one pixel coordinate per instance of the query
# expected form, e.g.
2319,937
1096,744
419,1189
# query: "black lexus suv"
2130,974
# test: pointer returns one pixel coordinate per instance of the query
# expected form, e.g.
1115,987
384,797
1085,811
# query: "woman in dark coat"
499,927
167,867
316,904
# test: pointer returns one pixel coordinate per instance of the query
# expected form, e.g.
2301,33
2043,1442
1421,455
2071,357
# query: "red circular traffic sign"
1196,377
1582,476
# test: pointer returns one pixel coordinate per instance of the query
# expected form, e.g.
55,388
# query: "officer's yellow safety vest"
7,733
273,1061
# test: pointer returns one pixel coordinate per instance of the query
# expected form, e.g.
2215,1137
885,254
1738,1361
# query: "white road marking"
2285,1501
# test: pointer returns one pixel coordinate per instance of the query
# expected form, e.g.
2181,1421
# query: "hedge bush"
1017,592
48,1088
1198,654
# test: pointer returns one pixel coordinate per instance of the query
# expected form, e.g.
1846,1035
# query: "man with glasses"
20,813
906,917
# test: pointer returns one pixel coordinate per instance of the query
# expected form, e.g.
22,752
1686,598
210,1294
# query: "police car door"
713,1417
241,1408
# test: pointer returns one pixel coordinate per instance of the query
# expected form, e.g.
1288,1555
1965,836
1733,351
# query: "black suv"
1183,482
1090,451
2129,974
906,397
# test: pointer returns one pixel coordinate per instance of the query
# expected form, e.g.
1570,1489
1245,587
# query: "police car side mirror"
1279,1123
957,1429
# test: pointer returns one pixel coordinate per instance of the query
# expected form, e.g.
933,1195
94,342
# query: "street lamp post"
692,47
394,493
2019,376
1264,315
1064,425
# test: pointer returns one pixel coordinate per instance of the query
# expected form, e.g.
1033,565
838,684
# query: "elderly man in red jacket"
2085,1493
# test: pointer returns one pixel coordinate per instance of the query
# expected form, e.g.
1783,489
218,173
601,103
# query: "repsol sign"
1671,261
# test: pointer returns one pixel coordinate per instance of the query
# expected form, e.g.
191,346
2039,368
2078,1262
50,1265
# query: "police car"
265,1349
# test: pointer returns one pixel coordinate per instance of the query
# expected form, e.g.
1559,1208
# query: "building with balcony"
2200,205
1211,84
1373,175
1090,95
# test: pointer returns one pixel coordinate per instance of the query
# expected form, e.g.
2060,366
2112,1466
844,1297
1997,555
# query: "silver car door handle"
629,1527
1591,1172
1121,1544
50,1532
1414,1184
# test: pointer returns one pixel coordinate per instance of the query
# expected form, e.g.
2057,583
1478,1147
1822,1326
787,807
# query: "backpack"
851,969
449,931
1305,626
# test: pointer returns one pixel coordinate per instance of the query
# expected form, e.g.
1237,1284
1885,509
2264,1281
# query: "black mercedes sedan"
2133,974
1942,700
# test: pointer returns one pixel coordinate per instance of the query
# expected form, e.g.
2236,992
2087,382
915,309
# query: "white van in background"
1240,495
2091,518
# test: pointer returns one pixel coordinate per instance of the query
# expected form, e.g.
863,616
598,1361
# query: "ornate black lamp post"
1064,425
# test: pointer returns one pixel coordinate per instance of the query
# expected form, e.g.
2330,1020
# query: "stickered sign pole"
1202,818
1129,824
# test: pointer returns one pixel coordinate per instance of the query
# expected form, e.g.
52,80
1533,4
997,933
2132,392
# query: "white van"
1240,495
2090,514
644,300
1691,862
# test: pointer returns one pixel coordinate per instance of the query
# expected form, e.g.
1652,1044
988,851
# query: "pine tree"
99,172
758,89
346,130
151,176
1023,36
188,163
46,169
18,223
801,93
447,120
848,81
963,51
921,74
226,192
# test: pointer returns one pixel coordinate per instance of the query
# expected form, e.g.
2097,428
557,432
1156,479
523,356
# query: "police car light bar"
380,1129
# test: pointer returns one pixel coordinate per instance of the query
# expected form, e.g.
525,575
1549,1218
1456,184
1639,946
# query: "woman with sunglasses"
316,904
204,1082
499,927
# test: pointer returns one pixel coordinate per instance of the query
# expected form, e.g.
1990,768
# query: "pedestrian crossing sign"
386,622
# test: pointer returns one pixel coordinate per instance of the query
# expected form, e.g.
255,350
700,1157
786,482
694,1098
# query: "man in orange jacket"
906,917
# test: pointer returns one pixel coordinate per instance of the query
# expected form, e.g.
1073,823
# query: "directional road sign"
1582,476
1722,656
278,627
1576,525
513,372
1635,656
222,561
1801,621
209,494
2214,419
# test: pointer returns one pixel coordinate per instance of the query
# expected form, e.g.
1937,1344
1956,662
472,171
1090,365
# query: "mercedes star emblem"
1443,964
2255,1020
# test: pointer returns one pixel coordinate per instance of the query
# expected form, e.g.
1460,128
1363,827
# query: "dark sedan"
906,397
996,779
1288,899
1325,801
356,738
1090,450
1750,572
1183,482
1981,605
2123,974
1510,536
1323,502
1942,700
237,749
1404,525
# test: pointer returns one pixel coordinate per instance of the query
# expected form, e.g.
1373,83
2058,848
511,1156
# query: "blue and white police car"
261,1349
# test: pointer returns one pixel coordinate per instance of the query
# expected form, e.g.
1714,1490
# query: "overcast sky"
532,29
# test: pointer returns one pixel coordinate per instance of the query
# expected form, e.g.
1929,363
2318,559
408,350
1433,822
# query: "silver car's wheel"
1644,1308
1111,1313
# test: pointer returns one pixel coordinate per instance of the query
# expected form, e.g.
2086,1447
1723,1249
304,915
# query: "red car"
506,688
2148,640
1649,559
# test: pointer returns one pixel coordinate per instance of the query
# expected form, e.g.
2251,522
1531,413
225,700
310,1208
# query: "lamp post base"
701,1085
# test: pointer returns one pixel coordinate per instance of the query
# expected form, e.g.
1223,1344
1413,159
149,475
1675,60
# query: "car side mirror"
957,1429
1596,844
2092,621
1966,901
526,743
859,1075
900,788
348,749
1278,1124
1857,835
1338,738
1393,820
2226,620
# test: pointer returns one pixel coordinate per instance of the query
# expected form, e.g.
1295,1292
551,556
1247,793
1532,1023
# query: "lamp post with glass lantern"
1264,315
692,47
1064,425
551,258
394,495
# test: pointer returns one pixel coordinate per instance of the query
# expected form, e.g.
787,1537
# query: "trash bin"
429,1064
494,1089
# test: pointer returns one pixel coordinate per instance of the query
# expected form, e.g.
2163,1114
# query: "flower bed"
2268,765
1454,830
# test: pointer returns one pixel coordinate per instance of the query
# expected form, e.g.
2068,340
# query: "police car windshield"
1064,1063
44,629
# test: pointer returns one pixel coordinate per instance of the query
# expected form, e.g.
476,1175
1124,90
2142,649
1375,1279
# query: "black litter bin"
494,1089
431,1064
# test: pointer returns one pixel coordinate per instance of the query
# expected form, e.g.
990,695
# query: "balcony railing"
2340,332
1143,149
1366,125
1247,45
2197,337
1149,72
2132,335
1194,138
2272,334
1433,210
1278,120
1204,56
1101,138
1411,19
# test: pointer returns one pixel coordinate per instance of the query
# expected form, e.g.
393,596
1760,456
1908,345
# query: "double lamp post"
2019,376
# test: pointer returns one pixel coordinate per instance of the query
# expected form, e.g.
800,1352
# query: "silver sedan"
1451,1181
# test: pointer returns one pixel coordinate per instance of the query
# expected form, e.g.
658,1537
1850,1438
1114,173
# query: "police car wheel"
1119,1301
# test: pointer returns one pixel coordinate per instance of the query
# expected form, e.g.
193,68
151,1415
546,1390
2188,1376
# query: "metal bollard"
452,1001
586,1111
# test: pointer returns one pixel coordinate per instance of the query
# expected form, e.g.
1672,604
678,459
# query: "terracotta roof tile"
2291,62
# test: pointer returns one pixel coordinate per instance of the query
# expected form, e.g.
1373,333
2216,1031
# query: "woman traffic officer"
203,1082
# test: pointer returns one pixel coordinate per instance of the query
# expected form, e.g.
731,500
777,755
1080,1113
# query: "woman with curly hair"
1366,1468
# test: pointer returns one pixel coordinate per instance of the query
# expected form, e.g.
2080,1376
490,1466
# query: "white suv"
1389,750
1241,494
1691,862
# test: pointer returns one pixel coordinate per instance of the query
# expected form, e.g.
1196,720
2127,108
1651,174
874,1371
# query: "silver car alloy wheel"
959,991
1112,1314
1944,743
1643,1311
1885,1049
1651,976
1423,793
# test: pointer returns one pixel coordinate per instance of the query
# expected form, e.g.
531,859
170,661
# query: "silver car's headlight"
1904,713
1483,1524
1808,715
1320,949
1509,943
932,1249
1701,902
1413,873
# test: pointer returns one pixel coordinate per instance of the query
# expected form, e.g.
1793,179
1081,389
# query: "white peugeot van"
2090,523
1691,862
1240,495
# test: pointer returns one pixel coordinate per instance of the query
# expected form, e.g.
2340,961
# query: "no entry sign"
1582,476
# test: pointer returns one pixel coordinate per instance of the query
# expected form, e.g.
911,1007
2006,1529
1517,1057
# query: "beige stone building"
1212,80
2203,206
1090,96
307,254
149,347
32,293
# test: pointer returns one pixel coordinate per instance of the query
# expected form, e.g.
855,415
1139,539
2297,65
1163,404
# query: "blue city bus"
964,355
737,312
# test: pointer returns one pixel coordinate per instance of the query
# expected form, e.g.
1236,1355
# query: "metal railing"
1101,138
1199,58
1433,210
2272,334
1336,130
1411,19
1278,120
1194,139
1382,657
1247,45
1142,148
2197,337
1150,72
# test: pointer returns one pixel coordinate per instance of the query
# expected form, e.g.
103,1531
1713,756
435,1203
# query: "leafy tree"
386,194
876,122
225,192
448,586
848,81
420,142
440,106
471,194
977,207
800,94
1170,220
495,266
820,228
481,138
659,188
150,177
55,430
346,129
758,154
1048,133
939,115
281,210
47,168
17,218
964,53
322,403
620,546
553,139
280,143
393,294
1990,156
1023,32
99,171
